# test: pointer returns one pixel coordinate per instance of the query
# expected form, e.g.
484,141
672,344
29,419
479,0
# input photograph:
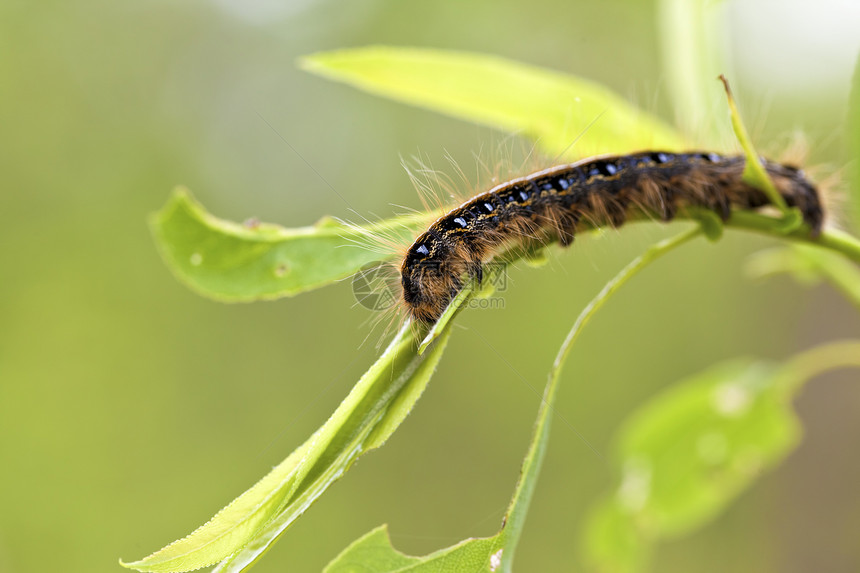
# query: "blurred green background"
131,409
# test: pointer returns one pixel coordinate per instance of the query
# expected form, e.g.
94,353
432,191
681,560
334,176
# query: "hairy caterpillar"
547,206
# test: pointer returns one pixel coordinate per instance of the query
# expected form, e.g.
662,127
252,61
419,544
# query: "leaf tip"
328,222
131,564
726,86
308,62
179,197
325,63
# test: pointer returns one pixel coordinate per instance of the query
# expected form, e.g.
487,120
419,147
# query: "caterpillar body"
549,205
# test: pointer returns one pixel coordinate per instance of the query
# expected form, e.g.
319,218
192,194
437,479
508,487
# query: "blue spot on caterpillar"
547,206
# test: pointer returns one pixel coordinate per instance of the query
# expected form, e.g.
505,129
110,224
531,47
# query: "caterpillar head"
425,280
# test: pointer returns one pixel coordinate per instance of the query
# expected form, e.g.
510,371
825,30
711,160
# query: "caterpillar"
548,206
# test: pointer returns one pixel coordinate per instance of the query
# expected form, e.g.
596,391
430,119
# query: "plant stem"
832,239
516,513
821,359
653,253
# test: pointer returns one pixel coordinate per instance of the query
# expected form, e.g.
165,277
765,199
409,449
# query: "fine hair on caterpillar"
377,285
553,204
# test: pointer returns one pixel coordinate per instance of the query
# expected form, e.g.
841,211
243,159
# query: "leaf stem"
653,253
832,239
818,360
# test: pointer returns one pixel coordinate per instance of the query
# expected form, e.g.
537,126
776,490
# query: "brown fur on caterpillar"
549,205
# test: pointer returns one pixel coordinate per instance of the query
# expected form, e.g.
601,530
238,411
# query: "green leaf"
687,453
690,451
852,131
231,262
242,531
549,107
374,553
